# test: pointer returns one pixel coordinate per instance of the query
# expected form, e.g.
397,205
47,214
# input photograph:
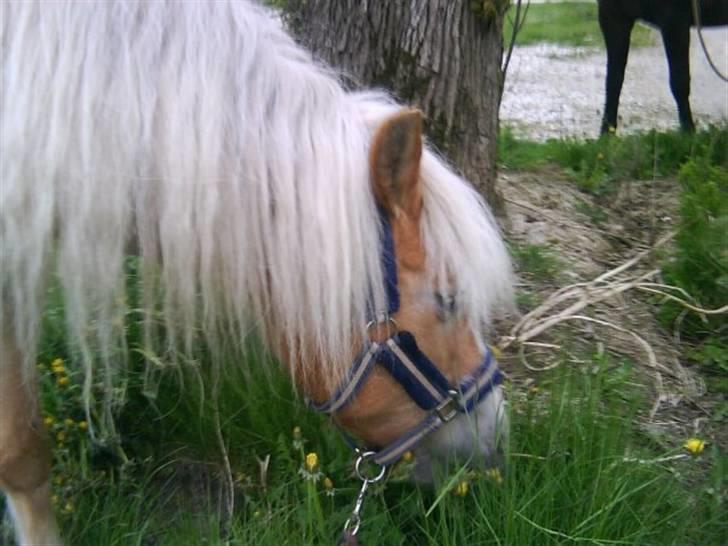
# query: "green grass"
597,165
573,470
596,215
570,24
537,262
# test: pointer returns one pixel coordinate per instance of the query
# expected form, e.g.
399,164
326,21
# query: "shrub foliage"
700,261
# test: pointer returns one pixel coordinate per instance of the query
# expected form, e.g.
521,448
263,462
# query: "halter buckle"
448,409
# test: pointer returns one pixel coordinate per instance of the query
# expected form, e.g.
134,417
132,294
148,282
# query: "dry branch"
569,302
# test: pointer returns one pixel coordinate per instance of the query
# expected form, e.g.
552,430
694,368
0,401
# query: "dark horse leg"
616,30
676,39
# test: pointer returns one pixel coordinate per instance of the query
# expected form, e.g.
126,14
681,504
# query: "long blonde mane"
199,136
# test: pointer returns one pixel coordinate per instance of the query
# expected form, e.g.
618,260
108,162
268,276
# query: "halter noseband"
408,365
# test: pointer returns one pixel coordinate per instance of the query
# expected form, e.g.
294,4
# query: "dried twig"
229,488
700,310
567,304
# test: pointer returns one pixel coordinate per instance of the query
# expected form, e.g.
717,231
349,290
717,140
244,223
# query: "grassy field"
569,24
579,470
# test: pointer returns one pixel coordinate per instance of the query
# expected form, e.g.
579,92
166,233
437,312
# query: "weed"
535,261
700,263
594,213
528,300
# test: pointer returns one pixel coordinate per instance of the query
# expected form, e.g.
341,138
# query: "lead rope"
696,16
352,525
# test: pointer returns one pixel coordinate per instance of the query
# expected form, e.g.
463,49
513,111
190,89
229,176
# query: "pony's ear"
395,164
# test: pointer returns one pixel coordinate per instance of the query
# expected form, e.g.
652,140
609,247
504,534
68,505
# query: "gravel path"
554,91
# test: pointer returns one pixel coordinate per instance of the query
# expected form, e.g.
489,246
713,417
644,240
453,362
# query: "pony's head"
391,399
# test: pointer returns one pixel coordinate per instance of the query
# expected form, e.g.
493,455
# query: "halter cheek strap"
411,368
422,381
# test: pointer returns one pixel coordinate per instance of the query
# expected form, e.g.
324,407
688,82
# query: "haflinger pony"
259,195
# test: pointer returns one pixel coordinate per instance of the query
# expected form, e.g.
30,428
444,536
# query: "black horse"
674,19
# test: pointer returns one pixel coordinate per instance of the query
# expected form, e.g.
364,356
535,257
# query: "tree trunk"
443,56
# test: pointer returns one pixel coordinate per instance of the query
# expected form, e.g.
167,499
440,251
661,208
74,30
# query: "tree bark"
443,56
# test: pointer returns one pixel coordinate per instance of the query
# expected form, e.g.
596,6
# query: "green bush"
700,261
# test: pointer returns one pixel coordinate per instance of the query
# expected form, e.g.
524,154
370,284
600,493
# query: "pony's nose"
476,440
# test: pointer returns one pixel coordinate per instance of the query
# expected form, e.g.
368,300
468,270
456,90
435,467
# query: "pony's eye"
446,305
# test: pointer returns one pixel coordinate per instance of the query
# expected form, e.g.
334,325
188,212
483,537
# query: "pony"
259,196
673,18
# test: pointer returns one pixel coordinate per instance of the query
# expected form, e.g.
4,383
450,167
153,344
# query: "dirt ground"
553,91
589,238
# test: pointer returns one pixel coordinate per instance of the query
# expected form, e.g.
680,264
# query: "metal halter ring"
365,456
383,319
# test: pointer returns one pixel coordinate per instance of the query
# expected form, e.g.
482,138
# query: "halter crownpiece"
410,367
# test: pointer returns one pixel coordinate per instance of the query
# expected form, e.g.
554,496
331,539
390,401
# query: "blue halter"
411,368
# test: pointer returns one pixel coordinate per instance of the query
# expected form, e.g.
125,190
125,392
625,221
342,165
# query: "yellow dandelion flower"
408,457
312,462
533,389
83,425
68,508
329,487
63,381
61,437
310,468
600,156
494,474
48,421
57,366
297,438
695,445
462,488
69,422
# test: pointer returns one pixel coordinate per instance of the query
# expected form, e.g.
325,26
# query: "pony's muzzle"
476,440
